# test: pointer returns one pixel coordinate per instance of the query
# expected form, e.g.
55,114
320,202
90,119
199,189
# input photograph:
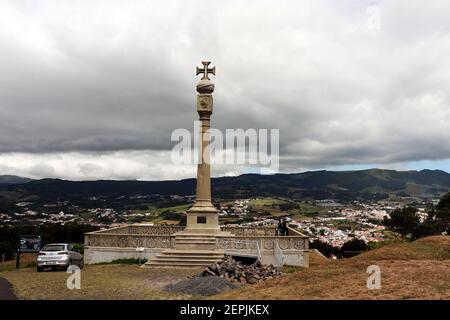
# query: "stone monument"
202,223
203,241
203,216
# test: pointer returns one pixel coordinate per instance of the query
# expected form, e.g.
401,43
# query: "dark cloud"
106,77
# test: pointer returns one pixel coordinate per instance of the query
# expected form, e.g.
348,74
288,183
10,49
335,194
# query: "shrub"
7,249
129,261
78,247
125,261
354,246
324,248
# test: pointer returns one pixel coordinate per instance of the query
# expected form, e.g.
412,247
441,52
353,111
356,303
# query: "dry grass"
98,282
429,248
418,270
25,260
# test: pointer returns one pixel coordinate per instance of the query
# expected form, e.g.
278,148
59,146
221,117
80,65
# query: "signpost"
28,244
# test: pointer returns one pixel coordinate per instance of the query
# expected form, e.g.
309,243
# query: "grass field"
269,205
26,259
156,217
272,205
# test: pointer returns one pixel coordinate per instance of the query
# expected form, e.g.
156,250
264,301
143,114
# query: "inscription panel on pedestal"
201,220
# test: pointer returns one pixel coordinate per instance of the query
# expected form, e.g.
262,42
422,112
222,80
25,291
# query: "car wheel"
40,269
81,264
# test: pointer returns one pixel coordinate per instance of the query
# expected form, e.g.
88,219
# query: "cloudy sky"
94,89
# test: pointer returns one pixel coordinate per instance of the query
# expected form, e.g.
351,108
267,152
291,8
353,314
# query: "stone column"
203,217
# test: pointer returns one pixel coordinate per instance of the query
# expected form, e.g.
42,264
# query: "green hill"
9,179
373,184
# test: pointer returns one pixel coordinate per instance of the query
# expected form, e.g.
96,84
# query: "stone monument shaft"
203,217
203,196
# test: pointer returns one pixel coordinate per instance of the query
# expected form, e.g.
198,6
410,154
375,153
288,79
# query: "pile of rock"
235,271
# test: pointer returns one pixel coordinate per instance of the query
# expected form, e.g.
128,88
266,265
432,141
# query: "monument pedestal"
202,229
202,219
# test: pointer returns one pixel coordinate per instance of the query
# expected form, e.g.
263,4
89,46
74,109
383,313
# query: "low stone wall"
107,254
246,231
294,249
128,241
141,230
121,242
169,230
262,243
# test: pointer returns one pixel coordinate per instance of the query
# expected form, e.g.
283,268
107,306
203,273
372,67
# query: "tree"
403,221
443,214
7,250
324,248
354,245
437,221
444,203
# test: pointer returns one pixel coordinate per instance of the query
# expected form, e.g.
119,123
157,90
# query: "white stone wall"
103,254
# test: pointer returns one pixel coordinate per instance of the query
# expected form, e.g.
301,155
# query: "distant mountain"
342,185
8,179
338,185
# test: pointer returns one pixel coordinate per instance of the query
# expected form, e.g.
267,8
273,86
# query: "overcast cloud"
93,89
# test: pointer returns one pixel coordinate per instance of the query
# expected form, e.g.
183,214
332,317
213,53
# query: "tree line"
410,224
50,233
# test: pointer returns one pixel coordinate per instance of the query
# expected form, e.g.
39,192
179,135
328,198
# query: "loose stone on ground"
237,272
202,286
223,276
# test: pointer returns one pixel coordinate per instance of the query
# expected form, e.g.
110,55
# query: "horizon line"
223,176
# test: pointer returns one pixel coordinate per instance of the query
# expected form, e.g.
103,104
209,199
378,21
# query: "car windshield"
53,248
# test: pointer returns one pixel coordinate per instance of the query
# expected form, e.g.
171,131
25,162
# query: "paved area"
202,286
6,290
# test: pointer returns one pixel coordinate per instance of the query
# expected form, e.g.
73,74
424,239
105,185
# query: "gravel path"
202,286
6,290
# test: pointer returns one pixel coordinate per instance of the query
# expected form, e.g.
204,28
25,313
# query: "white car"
58,255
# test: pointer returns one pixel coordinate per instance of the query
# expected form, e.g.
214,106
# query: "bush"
78,247
171,215
129,261
324,248
354,246
125,261
288,206
7,249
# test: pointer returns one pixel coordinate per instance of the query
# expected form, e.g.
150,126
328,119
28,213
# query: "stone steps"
192,255
192,241
195,242
185,258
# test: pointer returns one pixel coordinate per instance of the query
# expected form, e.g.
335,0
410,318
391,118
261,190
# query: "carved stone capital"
204,103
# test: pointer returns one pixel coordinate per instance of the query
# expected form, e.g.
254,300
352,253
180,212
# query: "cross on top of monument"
205,70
